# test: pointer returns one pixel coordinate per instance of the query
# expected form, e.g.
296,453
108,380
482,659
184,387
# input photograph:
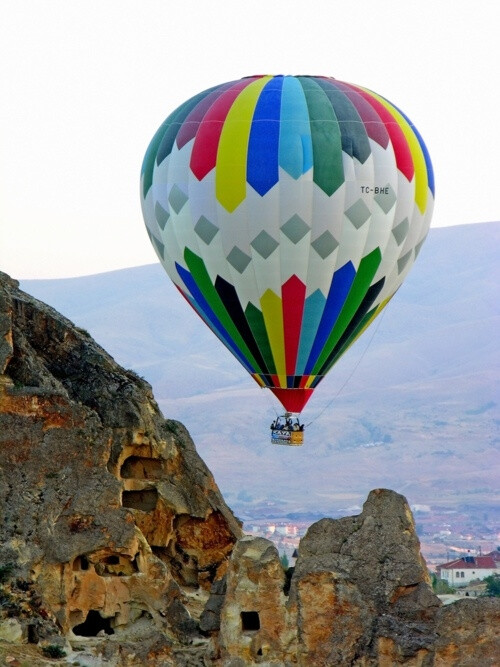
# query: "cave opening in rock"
112,560
93,624
288,580
80,563
250,621
139,467
33,636
140,500
115,565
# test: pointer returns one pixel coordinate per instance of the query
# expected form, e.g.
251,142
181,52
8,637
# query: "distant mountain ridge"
413,406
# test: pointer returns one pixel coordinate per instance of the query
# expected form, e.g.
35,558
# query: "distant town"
446,535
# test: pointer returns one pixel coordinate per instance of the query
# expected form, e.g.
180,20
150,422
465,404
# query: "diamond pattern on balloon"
325,244
403,261
358,213
238,259
177,198
295,229
161,215
419,246
205,229
157,245
264,244
386,200
400,231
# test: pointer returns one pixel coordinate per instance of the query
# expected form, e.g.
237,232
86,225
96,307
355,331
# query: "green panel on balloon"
364,276
202,279
328,170
257,325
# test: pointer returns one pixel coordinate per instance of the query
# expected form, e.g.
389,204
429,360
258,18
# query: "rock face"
108,514
370,567
359,595
253,615
113,533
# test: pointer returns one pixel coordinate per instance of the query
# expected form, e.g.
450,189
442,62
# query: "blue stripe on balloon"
202,307
313,310
262,160
295,144
339,289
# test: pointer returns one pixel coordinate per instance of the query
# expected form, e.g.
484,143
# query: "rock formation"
359,595
115,540
110,519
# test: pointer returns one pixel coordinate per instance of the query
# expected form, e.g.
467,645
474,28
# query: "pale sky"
86,83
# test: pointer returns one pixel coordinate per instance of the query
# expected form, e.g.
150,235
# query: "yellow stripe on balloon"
259,380
310,381
421,181
231,164
273,319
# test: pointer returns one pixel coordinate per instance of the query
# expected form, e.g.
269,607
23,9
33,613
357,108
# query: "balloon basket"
293,439
285,431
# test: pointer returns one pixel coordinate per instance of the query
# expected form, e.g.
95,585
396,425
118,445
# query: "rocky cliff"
111,523
118,548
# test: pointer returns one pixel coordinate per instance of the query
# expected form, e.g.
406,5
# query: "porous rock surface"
116,545
109,518
359,595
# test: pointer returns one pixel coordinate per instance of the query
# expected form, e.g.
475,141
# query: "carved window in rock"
111,565
140,467
140,500
115,565
250,621
112,560
80,563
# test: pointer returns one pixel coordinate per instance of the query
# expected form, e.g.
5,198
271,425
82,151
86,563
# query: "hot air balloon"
287,210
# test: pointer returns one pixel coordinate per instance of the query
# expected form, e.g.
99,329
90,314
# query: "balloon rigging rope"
342,387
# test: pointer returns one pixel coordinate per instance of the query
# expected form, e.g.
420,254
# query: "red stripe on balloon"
206,143
293,294
190,126
275,380
404,160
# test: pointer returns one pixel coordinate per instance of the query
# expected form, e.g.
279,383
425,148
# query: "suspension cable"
342,387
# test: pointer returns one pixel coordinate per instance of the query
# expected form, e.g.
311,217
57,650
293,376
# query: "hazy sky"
85,84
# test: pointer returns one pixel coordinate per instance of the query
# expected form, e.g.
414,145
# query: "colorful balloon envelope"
287,210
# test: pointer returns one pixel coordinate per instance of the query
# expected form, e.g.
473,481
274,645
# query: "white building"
462,571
